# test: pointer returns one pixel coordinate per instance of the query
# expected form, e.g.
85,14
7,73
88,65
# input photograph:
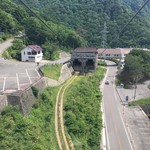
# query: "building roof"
85,50
35,47
114,51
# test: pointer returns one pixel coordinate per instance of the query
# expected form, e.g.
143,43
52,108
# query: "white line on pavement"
4,83
17,81
37,73
105,136
28,76
127,130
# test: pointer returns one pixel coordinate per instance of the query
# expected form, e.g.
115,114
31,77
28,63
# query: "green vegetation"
82,111
15,18
102,63
33,132
87,18
14,52
52,71
140,102
137,66
149,86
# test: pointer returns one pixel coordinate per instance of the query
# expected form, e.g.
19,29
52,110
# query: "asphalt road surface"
116,133
5,45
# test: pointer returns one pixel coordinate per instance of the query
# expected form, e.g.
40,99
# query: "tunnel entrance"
90,65
84,59
76,65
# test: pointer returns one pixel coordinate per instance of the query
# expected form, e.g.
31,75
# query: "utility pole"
104,36
135,87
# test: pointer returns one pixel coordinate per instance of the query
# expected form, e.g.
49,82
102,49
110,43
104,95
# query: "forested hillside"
88,17
15,18
134,5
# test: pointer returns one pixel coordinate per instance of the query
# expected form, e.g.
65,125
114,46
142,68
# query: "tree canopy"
137,66
87,18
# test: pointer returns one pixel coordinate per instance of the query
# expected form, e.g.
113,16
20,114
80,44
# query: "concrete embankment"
25,98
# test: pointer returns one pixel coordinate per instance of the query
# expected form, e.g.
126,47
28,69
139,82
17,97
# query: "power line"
121,31
133,17
38,17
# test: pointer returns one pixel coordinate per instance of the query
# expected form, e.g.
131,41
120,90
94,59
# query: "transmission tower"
104,36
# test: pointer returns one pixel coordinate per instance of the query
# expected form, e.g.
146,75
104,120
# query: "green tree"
133,69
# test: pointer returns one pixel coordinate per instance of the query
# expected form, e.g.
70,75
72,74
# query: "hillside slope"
53,36
88,17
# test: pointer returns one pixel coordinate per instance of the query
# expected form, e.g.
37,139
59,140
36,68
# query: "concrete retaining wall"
25,99
3,102
146,109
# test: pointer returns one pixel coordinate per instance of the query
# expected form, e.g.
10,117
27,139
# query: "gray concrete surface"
16,75
136,123
138,126
142,91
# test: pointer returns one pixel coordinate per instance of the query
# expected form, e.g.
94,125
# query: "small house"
32,53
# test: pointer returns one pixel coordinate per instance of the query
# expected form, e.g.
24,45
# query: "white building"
117,53
32,53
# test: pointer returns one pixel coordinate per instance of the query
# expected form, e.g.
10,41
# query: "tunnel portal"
84,60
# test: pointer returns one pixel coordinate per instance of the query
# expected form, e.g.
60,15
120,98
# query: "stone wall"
146,109
3,102
25,99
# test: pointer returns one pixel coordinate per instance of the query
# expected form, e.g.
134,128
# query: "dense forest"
90,18
51,35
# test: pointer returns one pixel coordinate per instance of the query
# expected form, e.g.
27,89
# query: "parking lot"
17,75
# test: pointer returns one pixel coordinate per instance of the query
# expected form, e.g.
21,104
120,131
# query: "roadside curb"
104,145
142,111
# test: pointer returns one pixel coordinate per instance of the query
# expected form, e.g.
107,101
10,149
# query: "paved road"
117,137
5,45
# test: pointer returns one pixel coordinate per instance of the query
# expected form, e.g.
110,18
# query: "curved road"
116,133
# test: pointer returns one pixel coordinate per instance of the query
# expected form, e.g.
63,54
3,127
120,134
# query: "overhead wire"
124,27
120,32
38,17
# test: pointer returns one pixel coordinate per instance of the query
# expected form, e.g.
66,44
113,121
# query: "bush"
82,110
102,63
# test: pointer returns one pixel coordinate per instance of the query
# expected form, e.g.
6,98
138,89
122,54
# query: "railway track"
63,141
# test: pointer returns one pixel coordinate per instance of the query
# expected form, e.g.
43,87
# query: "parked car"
107,82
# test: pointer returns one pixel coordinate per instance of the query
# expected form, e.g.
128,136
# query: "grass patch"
82,111
149,86
102,63
140,102
33,132
52,71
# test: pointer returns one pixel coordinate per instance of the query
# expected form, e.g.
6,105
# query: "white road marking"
4,83
131,138
28,76
105,136
37,73
17,81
